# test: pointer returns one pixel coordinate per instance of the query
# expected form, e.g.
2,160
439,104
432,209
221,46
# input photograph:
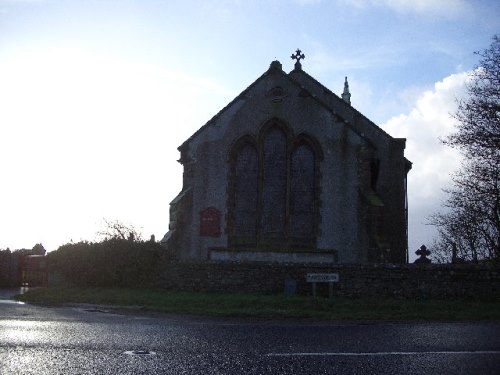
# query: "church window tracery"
273,195
274,185
302,193
246,192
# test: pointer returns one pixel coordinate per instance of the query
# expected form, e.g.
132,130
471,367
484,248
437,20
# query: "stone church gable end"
290,172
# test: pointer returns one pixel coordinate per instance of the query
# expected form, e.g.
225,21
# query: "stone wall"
374,280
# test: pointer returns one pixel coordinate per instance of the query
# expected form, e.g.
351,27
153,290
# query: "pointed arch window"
273,193
274,185
302,194
246,173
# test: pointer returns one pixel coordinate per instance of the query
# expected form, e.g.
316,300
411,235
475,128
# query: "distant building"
23,267
290,172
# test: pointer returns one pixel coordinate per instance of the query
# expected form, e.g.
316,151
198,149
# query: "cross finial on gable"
298,55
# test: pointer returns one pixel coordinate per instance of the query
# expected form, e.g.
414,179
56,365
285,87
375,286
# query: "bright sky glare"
96,96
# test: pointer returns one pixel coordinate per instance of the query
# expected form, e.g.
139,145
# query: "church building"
290,172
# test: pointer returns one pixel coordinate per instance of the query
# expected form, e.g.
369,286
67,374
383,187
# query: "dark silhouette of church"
290,172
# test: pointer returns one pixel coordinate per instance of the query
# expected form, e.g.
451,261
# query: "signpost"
329,278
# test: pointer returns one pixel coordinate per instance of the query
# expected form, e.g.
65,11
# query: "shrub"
110,263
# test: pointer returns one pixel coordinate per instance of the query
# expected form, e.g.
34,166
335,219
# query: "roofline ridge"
273,70
330,109
342,101
213,118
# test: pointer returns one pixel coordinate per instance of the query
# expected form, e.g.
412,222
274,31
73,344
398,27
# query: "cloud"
445,8
428,121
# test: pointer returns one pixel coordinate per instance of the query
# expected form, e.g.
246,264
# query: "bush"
110,263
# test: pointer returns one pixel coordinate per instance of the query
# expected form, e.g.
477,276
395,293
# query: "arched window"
273,194
302,195
274,185
246,174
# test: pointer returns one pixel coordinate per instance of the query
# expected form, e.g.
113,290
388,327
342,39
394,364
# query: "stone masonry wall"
375,280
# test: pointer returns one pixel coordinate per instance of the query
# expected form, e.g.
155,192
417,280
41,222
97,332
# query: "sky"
96,95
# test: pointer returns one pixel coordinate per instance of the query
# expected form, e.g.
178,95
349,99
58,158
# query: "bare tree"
469,228
478,132
118,230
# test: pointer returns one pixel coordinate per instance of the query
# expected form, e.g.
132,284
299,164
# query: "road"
91,340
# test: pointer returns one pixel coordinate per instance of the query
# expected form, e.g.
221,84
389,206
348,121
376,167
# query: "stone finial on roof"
298,55
275,66
346,95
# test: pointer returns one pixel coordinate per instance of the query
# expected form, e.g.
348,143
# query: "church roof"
342,109
339,106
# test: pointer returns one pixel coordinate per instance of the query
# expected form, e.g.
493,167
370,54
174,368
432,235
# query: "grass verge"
271,306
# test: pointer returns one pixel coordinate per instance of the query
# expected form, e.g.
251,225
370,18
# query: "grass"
270,306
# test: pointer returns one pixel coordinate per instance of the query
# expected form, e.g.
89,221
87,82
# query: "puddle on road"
11,302
98,311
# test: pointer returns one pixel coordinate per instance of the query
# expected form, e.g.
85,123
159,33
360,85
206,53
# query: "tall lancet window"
274,185
246,174
302,195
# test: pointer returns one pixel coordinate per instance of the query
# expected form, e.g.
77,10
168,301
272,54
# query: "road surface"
95,340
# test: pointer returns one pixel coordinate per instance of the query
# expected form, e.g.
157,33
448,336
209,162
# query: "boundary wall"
477,281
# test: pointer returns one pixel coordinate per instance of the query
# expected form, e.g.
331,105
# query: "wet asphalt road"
89,340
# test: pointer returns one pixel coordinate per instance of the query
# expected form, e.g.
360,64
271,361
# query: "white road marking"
379,354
